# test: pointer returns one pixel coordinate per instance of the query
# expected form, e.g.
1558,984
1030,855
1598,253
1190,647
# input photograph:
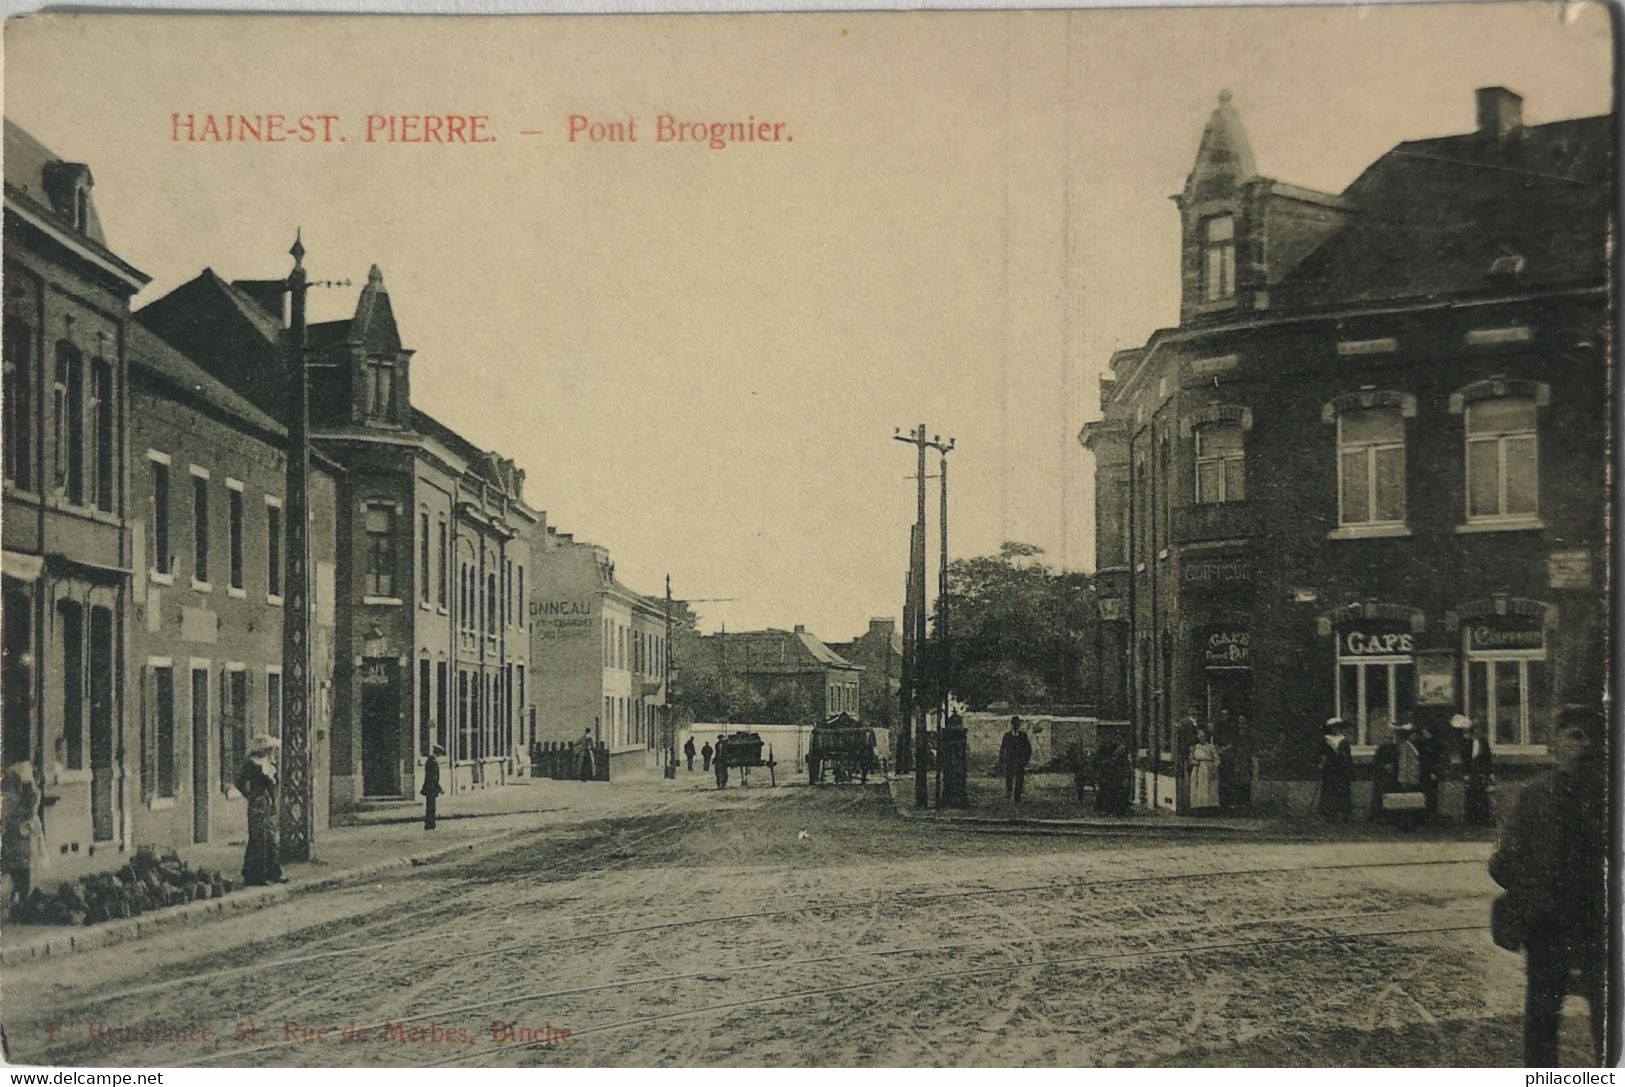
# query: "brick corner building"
1365,475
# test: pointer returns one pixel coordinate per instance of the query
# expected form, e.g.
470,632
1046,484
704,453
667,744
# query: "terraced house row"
145,535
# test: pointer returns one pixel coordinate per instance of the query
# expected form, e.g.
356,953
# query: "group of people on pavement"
1407,771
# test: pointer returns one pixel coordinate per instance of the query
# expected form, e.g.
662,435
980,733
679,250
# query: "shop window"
1371,466
1508,682
1220,466
380,528
1501,459
16,404
1218,258
1376,681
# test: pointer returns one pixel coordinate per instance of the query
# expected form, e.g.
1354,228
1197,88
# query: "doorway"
200,754
380,728
1229,706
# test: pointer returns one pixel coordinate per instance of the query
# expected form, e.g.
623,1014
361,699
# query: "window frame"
17,403
275,537
236,525
1500,438
1223,287
380,554
1491,659
161,569
200,528
1223,460
1371,450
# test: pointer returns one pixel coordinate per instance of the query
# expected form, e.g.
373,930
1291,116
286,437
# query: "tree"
1018,632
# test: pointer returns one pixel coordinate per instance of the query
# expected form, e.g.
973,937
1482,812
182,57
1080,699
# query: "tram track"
915,897
505,999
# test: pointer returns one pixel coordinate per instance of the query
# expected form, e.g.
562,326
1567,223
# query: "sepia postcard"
482,586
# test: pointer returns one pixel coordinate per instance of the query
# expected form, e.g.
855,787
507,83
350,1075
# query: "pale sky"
699,356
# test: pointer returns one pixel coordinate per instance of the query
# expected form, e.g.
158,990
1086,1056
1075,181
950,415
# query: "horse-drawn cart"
842,750
742,751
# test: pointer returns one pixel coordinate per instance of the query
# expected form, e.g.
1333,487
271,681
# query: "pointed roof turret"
1224,159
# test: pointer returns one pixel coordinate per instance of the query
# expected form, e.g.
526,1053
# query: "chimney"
800,629
882,627
1500,112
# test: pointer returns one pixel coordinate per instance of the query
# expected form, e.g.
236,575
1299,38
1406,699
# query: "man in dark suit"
1015,752
1551,860
688,752
431,785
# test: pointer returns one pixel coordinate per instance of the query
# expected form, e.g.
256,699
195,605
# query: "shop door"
380,728
200,755
1229,707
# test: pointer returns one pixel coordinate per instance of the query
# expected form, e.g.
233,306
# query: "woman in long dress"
1204,773
257,782
1336,771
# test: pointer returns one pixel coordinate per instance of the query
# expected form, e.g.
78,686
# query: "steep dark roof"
1431,217
149,354
35,171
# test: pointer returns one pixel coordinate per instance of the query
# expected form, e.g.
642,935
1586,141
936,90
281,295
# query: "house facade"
208,537
1363,477
68,550
598,652
787,668
431,556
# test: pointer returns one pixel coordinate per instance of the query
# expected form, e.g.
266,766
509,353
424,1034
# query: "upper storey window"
1220,463
378,391
1501,459
1371,466
1218,258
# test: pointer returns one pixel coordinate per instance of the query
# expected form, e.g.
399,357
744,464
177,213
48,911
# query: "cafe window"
1371,466
1501,459
1376,680
1507,681
1220,466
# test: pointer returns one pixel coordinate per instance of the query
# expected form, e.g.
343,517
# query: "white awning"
22,567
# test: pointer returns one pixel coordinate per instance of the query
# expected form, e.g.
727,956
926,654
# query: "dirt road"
801,926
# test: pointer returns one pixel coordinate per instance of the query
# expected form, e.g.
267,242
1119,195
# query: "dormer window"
1218,258
81,209
379,389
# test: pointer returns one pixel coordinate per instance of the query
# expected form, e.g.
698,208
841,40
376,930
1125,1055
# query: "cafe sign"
1366,642
1226,648
1485,636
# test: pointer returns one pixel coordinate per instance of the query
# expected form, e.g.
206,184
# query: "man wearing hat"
1477,768
431,784
1551,860
1015,752
1336,771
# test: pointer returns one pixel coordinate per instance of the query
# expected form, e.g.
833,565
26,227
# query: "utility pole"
671,719
296,830
916,625
942,597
